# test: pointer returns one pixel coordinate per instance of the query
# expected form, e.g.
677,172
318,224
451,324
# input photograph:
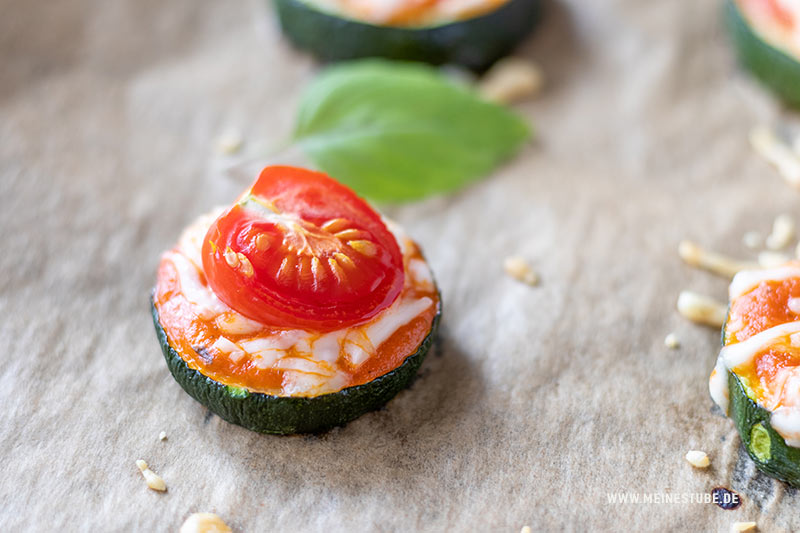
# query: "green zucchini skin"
775,68
475,43
783,462
284,415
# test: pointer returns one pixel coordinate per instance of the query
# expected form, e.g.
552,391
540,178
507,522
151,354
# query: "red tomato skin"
275,256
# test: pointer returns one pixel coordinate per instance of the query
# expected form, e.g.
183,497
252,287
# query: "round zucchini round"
475,43
284,415
776,68
765,446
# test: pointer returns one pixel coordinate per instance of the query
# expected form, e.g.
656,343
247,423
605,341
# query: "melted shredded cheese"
311,362
747,280
718,385
741,353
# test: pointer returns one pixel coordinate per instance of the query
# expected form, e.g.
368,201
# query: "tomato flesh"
301,250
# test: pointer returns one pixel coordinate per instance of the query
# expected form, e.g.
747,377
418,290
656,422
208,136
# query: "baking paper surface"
535,405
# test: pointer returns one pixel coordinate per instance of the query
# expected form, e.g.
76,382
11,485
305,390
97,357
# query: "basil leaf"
396,131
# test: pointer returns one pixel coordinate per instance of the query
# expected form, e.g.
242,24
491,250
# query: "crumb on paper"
767,259
230,142
204,523
152,479
776,152
162,435
738,527
520,270
671,341
696,256
783,232
698,459
511,80
752,239
702,309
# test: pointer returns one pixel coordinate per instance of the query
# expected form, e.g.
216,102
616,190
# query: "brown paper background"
535,404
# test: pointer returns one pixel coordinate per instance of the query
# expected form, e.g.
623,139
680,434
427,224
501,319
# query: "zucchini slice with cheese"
766,34
296,309
756,380
472,33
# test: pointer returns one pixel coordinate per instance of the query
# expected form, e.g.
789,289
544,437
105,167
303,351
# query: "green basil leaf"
396,131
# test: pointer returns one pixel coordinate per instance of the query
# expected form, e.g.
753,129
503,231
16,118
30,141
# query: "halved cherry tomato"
301,250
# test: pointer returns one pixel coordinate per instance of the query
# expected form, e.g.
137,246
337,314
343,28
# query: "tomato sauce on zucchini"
218,327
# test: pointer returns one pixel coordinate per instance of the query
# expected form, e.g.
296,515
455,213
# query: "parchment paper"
536,404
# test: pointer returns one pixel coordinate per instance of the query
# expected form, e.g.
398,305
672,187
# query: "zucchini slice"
284,415
765,446
475,42
776,68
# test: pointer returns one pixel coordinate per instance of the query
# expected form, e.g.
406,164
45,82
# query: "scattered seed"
767,259
231,258
344,259
738,527
520,270
317,272
777,153
335,225
783,231
204,523
698,459
671,341
162,435
262,242
695,255
702,309
336,269
230,142
350,233
525,529
363,247
512,80
752,239
286,269
244,264
152,479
